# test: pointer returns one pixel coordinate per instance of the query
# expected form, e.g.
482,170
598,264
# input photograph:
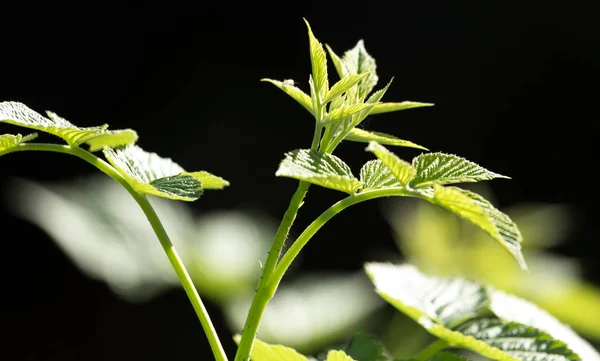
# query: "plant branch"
430,350
158,228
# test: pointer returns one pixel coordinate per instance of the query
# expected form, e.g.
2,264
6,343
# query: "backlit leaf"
262,351
346,111
294,92
360,135
394,107
374,174
443,168
338,355
318,60
325,170
8,141
401,169
476,209
343,86
358,61
96,137
148,173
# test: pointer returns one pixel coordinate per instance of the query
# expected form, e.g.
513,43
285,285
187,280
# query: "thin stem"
303,239
430,350
163,237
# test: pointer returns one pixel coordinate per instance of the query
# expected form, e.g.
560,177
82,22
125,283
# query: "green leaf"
374,174
294,92
443,168
394,107
343,86
447,301
436,303
318,60
365,348
360,135
346,111
520,341
262,351
446,356
337,63
358,61
96,137
8,141
338,355
511,308
148,173
325,170
476,209
401,169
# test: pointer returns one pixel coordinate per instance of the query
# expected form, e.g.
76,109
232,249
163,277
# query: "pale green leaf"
208,180
294,92
358,61
346,111
366,348
401,169
343,86
378,95
374,174
476,209
514,309
444,300
436,303
443,168
336,62
338,355
318,60
394,107
523,342
96,137
9,141
148,173
262,351
338,102
360,135
325,170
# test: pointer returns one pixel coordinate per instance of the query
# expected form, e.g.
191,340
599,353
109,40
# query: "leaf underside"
95,137
9,141
148,173
374,174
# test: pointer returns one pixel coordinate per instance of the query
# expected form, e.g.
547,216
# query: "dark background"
515,88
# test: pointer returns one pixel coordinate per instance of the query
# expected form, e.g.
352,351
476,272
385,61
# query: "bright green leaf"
325,170
346,111
96,137
514,309
374,174
262,351
337,63
365,348
447,301
476,209
360,135
8,141
338,355
394,107
443,168
318,60
343,86
523,342
148,173
294,92
378,95
401,169
358,61
436,303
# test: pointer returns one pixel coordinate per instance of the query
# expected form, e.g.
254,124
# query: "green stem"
430,350
303,239
157,226
263,292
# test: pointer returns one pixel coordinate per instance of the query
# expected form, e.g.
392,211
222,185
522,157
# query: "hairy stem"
263,292
159,230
